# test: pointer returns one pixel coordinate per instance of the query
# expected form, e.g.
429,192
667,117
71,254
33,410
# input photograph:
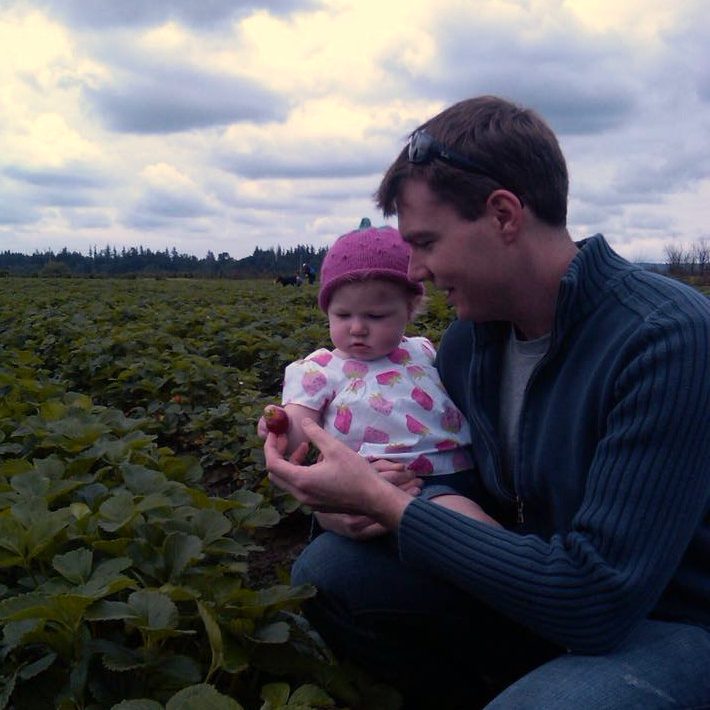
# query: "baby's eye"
377,316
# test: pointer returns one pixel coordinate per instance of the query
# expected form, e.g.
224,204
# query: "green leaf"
310,696
79,510
141,480
7,686
211,525
202,696
277,632
33,669
175,671
261,518
227,546
14,632
43,532
153,501
236,658
30,484
121,659
13,467
275,695
153,610
139,704
117,511
104,610
12,538
180,550
74,566
214,635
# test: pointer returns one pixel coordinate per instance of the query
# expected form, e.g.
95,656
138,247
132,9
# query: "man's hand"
341,482
356,527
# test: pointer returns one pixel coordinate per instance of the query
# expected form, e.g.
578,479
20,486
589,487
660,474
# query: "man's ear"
506,209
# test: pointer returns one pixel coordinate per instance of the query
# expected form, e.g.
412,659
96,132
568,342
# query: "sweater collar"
590,275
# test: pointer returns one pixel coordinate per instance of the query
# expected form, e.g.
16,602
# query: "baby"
377,390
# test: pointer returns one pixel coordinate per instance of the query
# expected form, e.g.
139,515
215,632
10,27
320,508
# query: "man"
586,383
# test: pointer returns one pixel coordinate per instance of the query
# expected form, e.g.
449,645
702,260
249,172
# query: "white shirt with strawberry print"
394,407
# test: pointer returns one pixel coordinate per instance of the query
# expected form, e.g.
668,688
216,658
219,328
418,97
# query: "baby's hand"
274,419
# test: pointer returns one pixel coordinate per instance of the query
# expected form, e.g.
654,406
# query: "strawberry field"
138,533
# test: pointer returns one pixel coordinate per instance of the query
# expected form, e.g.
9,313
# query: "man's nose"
415,270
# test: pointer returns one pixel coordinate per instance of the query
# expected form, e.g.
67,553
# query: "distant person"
309,273
377,390
585,381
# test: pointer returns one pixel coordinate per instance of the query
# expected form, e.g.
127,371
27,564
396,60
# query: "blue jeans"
443,649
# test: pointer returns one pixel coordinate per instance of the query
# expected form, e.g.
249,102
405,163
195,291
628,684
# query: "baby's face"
367,318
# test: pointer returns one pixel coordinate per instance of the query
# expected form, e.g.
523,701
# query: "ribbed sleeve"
617,542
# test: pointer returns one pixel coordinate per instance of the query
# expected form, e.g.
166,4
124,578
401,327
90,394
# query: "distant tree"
676,258
55,269
701,255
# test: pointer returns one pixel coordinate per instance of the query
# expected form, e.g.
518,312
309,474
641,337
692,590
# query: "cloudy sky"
227,124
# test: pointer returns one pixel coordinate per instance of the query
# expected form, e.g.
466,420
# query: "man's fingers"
323,441
299,454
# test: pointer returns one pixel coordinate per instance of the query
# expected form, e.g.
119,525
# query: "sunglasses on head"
423,148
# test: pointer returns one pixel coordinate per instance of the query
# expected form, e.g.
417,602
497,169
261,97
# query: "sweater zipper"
519,505
519,501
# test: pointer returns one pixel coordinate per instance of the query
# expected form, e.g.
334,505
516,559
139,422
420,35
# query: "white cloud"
222,126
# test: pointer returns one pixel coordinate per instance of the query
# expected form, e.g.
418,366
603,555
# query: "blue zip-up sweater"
613,462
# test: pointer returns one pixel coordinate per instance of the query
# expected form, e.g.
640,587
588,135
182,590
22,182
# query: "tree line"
139,261
693,260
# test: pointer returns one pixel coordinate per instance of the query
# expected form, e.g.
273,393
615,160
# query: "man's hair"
515,147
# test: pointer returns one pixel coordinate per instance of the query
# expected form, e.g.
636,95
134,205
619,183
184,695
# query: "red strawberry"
428,348
451,419
391,377
380,404
313,381
397,448
354,368
416,371
422,398
321,359
375,436
343,419
446,444
421,465
415,426
400,356
276,419
356,385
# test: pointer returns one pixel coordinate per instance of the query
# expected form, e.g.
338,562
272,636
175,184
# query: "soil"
281,545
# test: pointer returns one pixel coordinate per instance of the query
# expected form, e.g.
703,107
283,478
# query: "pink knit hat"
376,252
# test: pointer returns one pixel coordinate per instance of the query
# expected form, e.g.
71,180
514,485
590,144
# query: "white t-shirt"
394,407
519,361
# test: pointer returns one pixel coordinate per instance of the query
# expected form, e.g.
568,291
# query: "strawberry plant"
133,498
122,577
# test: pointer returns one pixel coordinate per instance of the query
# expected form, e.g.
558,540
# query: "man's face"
465,259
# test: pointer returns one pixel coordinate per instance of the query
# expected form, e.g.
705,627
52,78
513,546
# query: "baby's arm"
295,413
465,506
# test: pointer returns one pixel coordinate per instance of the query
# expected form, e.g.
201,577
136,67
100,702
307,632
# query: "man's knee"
322,562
